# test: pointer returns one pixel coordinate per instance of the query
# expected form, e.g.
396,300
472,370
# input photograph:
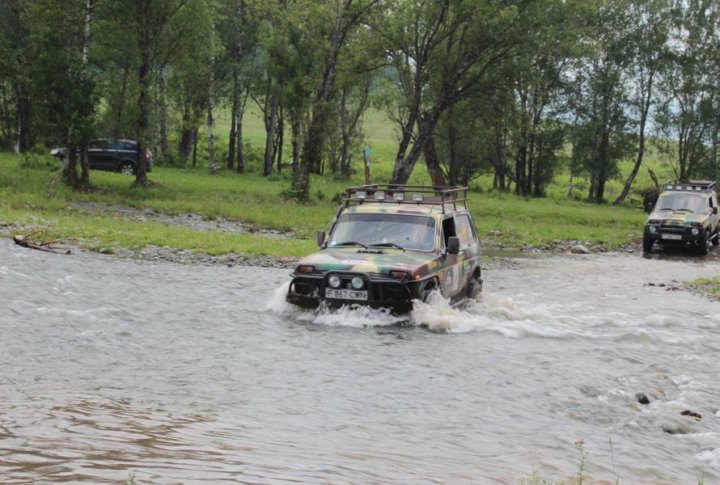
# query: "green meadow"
502,219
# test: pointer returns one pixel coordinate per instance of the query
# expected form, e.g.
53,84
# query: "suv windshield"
390,230
679,202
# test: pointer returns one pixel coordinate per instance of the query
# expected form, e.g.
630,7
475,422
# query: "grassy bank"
502,219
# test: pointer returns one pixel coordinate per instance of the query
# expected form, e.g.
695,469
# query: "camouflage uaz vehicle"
390,245
685,213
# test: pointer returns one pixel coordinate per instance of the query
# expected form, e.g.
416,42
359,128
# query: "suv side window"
464,230
448,226
97,145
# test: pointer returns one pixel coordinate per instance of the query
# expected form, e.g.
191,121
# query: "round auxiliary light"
334,281
357,282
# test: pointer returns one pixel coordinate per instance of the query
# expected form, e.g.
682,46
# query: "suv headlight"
334,281
652,229
695,231
357,282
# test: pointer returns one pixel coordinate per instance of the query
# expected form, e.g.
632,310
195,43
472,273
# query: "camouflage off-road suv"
685,213
390,245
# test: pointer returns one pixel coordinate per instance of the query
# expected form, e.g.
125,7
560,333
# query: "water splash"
355,316
492,313
347,316
277,302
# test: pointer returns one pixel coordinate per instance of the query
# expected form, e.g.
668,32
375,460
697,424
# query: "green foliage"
38,159
516,92
709,287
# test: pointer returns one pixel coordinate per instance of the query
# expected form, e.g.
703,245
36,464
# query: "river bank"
496,254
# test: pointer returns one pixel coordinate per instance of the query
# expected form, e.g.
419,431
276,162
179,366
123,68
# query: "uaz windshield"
391,230
679,202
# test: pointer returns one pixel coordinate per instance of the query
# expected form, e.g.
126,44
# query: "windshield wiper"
350,243
388,245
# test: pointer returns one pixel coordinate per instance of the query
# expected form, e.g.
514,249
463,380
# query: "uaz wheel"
474,288
647,244
703,244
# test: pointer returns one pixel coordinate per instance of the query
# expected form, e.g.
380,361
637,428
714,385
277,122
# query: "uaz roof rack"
696,185
406,194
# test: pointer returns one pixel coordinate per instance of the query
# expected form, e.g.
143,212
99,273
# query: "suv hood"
678,218
371,260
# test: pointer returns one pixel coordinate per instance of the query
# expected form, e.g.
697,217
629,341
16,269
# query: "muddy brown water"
171,373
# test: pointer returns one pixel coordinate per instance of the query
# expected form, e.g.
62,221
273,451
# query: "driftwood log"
26,242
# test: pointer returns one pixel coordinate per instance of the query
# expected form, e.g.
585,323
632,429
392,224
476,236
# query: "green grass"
502,219
710,287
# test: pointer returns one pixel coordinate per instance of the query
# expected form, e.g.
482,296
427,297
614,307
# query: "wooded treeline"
515,88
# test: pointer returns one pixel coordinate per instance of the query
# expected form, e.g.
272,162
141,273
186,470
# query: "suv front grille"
673,229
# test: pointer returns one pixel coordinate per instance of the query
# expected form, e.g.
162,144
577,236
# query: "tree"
63,92
537,76
441,50
647,41
689,110
238,31
335,22
147,20
600,135
16,53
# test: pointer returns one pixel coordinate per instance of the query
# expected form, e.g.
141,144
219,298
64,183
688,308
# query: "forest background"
557,102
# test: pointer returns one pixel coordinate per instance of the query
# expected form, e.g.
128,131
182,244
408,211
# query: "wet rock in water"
677,427
642,398
692,414
579,249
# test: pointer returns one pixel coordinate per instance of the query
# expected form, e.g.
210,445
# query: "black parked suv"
112,155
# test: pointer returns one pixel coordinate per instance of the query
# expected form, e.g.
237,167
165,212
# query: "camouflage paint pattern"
675,226
449,272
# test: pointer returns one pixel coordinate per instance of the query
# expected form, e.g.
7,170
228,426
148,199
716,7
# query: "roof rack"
696,185
452,197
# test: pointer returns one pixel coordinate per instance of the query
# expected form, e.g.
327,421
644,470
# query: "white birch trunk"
211,94
86,37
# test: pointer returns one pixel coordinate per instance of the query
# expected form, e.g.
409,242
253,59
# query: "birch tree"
336,21
441,50
648,47
689,109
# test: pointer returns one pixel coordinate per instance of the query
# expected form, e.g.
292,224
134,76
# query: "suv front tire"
127,168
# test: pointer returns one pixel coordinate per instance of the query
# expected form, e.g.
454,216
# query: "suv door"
469,255
714,216
99,157
451,279
126,150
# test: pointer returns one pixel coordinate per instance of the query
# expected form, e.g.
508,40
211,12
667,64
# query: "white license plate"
676,237
346,294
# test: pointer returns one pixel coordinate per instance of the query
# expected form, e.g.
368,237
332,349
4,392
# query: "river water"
113,369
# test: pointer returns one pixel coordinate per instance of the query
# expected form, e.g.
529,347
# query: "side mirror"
320,238
453,246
